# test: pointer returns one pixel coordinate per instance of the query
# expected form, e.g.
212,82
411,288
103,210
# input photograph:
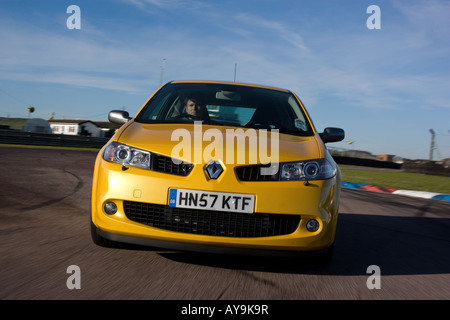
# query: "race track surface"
44,229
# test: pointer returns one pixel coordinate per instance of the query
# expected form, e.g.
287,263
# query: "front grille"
165,164
253,173
211,223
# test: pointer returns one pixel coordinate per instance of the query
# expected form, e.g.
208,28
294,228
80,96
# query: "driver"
194,109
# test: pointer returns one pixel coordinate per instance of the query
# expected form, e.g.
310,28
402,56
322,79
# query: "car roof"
231,83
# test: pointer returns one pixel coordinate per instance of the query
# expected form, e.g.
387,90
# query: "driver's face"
193,108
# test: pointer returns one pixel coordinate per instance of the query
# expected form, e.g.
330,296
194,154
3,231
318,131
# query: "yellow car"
219,167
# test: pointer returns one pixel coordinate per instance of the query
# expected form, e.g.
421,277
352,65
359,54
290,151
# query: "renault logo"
214,169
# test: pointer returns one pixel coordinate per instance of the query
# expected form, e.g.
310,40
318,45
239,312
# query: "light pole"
162,71
432,147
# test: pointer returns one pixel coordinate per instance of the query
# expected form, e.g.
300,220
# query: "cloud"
73,59
80,80
430,17
369,69
281,30
152,6
157,3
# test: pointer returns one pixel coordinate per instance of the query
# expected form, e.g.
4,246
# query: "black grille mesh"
253,173
212,223
165,164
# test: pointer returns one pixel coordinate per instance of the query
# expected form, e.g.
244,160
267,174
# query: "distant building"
385,157
99,129
74,127
359,154
36,125
390,158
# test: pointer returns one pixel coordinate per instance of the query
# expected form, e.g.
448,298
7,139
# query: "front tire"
326,257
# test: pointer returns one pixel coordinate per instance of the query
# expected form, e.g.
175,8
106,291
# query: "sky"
385,87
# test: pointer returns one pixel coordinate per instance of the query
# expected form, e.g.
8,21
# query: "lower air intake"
211,223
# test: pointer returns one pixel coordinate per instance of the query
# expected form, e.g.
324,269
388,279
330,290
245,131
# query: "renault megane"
218,167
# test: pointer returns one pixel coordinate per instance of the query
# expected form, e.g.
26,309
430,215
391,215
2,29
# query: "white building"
75,127
81,127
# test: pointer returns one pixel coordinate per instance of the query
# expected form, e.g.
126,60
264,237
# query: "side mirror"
119,116
332,135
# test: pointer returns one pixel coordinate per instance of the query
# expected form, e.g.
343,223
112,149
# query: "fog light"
312,225
110,208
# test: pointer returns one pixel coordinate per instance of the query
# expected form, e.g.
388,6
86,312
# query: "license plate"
209,200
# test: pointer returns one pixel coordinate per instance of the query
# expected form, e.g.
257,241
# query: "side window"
176,108
152,112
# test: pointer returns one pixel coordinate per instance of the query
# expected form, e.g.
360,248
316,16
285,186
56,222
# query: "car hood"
189,142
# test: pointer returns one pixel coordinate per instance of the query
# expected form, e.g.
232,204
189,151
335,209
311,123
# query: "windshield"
227,105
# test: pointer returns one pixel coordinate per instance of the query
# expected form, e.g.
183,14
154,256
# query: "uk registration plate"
209,200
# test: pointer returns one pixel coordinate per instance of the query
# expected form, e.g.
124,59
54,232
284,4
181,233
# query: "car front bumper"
318,200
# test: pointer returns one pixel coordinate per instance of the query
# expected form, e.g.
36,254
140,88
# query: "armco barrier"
439,168
367,162
60,140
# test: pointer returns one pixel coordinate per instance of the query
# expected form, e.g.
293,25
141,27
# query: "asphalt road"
44,229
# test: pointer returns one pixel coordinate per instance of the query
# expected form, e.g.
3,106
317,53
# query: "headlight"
127,156
319,169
